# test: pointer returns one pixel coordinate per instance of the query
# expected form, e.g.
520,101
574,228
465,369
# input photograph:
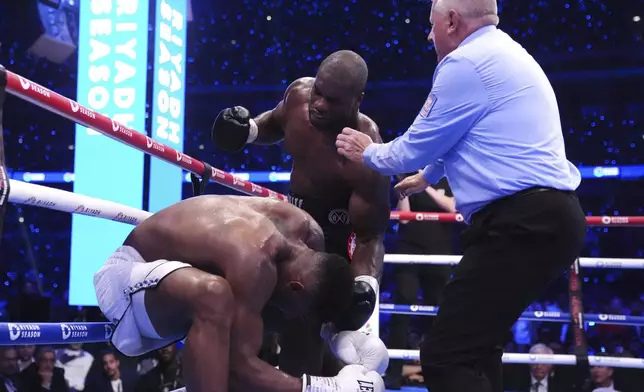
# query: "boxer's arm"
302,349
252,288
369,212
270,124
247,371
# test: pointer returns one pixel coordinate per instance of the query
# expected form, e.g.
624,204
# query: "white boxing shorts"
120,289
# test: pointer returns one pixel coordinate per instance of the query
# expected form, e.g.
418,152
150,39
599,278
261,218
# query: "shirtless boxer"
343,197
210,268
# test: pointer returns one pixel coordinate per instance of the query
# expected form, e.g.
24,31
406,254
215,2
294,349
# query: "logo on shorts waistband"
351,246
296,201
339,216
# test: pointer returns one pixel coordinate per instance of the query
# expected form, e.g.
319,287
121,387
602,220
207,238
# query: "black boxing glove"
363,303
233,129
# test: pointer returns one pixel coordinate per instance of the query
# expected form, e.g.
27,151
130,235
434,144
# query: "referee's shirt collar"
476,34
481,31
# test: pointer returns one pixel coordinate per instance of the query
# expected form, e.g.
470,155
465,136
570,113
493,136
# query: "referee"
491,126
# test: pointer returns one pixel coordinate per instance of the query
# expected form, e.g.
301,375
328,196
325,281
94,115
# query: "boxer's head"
314,285
454,20
338,91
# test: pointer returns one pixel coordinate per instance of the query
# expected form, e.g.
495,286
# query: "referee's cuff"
368,155
433,173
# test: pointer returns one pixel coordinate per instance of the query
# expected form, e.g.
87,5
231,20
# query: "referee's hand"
410,185
352,143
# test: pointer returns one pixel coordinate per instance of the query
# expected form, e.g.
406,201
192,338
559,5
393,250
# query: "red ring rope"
47,99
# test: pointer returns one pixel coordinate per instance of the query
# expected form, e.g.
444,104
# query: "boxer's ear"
295,285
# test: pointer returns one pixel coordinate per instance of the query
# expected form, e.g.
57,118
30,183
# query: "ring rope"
537,315
586,262
54,333
41,96
554,359
65,333
60,200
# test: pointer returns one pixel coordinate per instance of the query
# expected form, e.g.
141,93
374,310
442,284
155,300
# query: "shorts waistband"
302,201
324,211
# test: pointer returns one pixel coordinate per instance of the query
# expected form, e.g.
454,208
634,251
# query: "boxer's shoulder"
295,223
369,127
300,88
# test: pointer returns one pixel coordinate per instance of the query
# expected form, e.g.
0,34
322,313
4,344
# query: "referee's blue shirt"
490,125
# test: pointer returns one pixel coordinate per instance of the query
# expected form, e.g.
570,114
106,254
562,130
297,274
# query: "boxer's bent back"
205,269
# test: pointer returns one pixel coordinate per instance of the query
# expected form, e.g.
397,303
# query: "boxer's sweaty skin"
243,240
319,171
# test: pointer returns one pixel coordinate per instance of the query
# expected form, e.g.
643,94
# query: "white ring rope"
60,200
57,199
587,262
555,359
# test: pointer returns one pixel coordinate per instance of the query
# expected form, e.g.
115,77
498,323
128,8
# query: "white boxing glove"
352,378
357,348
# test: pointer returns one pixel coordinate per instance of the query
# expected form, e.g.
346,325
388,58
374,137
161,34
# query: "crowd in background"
245,53
91,368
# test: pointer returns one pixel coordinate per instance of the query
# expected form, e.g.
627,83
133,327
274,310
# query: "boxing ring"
65,333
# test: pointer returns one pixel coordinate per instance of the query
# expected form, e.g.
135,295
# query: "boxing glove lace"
363,303
357,348
352,378
233,129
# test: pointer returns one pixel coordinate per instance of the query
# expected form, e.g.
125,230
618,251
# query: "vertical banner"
168,100
112,68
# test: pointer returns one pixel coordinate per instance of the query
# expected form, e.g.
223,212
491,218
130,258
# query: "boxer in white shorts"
217,270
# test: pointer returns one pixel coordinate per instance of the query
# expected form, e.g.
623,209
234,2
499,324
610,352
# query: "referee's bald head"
469,8
454,20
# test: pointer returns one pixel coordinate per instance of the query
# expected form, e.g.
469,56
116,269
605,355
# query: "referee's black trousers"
513,249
